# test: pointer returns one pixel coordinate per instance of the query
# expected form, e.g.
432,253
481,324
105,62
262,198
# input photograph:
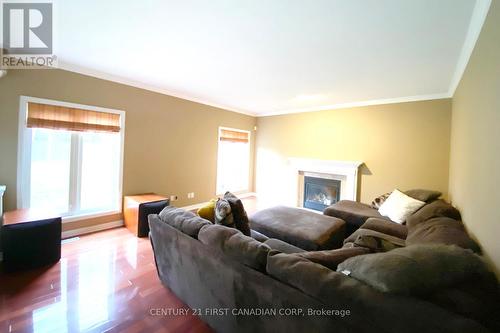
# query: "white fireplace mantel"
347,170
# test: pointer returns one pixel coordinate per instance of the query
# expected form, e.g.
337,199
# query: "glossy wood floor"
105,281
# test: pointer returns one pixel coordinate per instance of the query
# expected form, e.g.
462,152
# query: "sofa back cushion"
423,195
234,244
443,230
417,269
182,220
438,208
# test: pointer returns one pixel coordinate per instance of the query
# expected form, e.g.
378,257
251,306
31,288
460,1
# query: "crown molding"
137,84
360,104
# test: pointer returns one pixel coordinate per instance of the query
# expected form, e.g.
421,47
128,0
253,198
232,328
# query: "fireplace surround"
344,174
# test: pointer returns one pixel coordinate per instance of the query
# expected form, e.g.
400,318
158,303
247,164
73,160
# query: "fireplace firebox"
320,193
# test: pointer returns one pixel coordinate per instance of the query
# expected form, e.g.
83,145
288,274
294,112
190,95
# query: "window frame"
24,156
217,185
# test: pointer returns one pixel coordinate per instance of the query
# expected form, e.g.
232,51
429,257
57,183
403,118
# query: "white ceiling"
267,57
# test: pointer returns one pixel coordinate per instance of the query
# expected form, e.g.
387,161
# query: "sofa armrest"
283,247
258,236
386,227
353,213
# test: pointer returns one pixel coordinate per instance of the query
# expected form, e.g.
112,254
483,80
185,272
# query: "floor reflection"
104,282
43,318
96,271
131,253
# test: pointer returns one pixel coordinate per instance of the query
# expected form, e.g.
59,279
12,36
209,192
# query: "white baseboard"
202,204
94,228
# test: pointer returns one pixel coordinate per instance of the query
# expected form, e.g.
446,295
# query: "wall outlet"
191,195
173,198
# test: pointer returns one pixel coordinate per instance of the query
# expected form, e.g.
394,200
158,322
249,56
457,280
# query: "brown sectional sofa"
214,267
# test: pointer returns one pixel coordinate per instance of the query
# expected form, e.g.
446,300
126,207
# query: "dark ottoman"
308,230
31,244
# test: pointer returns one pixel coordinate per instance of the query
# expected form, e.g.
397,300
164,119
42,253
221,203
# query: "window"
233,162
70,158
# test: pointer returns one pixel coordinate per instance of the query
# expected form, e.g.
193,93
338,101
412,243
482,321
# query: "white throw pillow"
398,206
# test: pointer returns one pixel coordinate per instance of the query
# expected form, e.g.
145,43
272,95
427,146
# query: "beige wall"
404,145
170,143
475,140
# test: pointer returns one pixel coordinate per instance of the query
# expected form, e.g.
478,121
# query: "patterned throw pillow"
377,202
423,195
223,214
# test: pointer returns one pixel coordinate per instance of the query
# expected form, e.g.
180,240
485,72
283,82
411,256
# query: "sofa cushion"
353,213
423,195
373,240
382,312
474,299
281,246
332,258
378,243
399,206
442,230
184,221
307,230
386,227
234,244
304,274
239,214
416,269
438,208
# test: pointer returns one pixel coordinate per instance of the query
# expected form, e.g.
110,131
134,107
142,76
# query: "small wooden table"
136,209
27,215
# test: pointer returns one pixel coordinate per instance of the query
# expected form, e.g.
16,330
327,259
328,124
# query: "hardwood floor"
105,281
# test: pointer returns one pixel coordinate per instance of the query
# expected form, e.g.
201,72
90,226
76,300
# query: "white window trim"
24,153
217,186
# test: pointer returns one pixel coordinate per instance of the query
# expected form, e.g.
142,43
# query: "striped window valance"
233,136
71,119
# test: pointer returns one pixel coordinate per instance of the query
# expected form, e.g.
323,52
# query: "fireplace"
320,193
